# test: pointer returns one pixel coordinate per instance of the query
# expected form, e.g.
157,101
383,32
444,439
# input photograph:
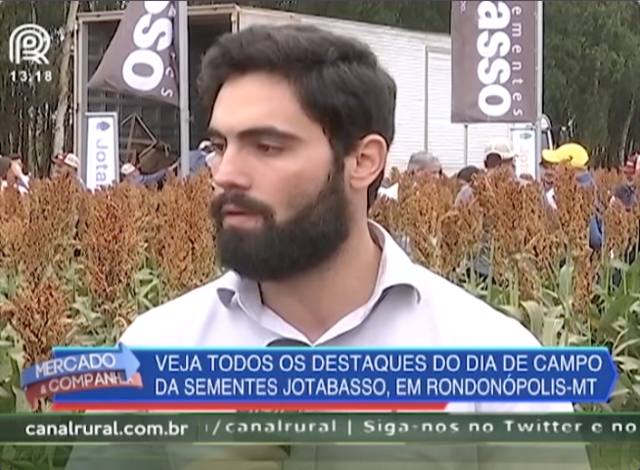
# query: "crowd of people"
15,174
499,154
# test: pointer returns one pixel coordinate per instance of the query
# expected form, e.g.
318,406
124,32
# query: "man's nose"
230,170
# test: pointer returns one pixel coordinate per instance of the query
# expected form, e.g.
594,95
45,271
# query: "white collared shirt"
410,307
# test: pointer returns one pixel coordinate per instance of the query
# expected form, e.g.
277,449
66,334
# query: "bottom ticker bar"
316,428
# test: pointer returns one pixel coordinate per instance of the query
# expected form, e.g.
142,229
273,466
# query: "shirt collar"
396,269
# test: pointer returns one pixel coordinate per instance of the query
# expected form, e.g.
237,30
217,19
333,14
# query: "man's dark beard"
278,251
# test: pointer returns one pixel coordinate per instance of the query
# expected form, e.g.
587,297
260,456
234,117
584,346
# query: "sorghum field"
76,267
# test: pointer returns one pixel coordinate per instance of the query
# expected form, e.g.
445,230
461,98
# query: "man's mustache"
242,202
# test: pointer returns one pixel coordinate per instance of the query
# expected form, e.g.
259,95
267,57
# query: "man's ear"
370,160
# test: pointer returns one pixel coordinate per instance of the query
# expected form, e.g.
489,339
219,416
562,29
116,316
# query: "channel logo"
102,368
29,43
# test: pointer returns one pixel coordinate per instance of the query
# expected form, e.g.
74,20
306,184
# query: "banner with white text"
493,61
313,379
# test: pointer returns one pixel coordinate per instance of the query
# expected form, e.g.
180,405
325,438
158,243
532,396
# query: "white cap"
71,160
500,147
127,169
204,144
210,157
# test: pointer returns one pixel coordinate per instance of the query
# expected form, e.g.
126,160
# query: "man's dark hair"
467,173
338,80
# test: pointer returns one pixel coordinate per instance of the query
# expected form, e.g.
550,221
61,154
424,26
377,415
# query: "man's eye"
267,148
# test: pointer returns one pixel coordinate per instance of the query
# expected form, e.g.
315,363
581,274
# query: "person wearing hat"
129,173
198,157
498,153
574,156
65,164
571,154
72,162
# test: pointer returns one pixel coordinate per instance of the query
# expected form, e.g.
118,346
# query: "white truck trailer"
419,62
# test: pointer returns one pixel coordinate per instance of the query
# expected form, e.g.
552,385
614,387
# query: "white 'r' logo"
29,43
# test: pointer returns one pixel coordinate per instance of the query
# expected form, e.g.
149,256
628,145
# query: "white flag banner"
102,154
141,59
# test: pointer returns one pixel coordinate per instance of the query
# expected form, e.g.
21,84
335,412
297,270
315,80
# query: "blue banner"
341,376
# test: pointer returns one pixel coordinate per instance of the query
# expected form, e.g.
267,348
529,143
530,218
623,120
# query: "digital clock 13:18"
26,76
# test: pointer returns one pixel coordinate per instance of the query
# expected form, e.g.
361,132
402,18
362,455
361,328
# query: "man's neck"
315,301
